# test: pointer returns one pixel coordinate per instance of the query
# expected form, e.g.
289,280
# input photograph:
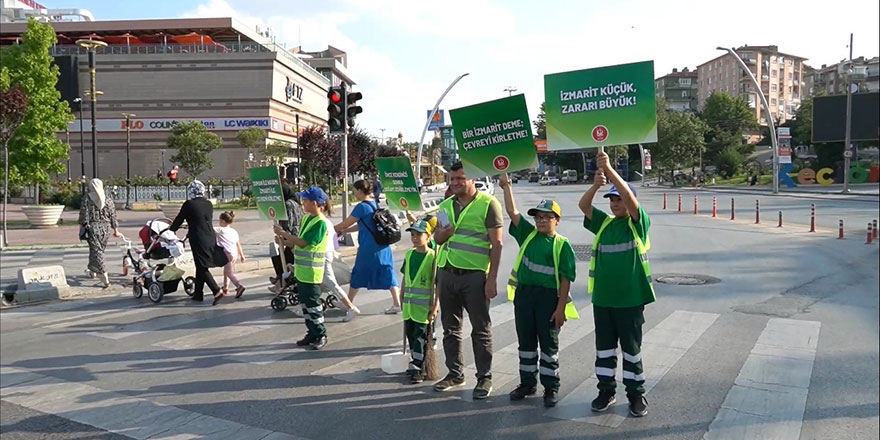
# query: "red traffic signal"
336,109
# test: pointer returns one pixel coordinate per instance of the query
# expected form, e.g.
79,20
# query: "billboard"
438,121
829,117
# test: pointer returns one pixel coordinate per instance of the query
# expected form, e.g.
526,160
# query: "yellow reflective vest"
558,242
417,290
469,247
308,266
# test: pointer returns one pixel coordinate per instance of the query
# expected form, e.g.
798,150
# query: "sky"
403,54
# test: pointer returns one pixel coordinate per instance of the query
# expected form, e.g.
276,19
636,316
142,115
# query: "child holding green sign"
545,258
620,283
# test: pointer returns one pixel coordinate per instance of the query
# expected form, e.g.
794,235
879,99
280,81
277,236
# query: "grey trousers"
459,293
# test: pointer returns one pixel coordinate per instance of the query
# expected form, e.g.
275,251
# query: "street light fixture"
91,46
510,90
128,117
770,124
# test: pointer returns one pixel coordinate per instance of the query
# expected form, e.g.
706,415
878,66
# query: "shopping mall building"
217,71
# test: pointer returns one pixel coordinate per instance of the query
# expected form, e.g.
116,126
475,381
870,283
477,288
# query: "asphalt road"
784,345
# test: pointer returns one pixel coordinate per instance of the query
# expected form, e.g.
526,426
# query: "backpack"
387,231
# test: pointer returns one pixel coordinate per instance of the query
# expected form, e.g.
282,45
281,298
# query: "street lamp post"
128,117
428,123
90,46
510,90
847,148
770,124
67,135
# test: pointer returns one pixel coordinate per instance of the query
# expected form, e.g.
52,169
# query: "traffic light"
352,109
336,109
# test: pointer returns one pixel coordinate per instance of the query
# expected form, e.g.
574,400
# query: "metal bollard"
732,211
714,207
679,203
664,201
695,205
812,217
757,211
870,236
840,230
780,220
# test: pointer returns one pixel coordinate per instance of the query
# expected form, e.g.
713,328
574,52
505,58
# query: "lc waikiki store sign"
212,124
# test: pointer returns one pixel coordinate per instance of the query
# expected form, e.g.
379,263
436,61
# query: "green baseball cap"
546,206
419,226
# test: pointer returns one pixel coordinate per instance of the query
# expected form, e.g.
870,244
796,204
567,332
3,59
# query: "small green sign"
598,107
267,191
399,183
494,137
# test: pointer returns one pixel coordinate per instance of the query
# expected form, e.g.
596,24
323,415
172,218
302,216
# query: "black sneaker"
604,401
638,406
319,343
551,397
483,388
416,377
522,391
306,340
450,382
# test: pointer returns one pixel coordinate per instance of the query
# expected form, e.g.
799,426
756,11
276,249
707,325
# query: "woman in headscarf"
198,213
98,215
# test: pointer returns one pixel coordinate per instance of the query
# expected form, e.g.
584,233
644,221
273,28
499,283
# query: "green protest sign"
399,183
267,192
605,106
494,137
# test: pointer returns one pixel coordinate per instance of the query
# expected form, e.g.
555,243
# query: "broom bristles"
430,367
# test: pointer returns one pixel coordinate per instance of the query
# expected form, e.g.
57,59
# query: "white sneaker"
393,310
351,314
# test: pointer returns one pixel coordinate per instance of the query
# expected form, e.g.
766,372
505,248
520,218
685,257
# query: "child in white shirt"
228,239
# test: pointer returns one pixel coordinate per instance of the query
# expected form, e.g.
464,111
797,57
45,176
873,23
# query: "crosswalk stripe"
359,368
115,412
662,347
769,395
505,362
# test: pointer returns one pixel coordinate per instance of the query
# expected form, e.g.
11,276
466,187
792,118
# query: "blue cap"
613,191
314,194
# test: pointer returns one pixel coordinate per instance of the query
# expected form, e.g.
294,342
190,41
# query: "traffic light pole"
345,175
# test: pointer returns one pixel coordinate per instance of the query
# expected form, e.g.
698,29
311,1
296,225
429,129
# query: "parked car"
534,177
483,186
569,176
548,180
514,178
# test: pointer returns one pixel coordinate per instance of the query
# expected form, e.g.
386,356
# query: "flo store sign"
165,124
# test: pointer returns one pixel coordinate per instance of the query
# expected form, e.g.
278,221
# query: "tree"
680,140
540,124
320,157
36,152
729,159
277,151
250,138
725,116
802,127
361,152
13,109
194,145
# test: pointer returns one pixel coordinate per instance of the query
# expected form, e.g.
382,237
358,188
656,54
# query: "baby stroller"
288,295
161,265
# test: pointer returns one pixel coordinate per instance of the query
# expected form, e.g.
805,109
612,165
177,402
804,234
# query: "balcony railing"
147,49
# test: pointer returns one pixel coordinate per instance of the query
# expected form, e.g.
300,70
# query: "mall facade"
216,71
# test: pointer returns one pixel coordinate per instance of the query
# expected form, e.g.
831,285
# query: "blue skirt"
374,269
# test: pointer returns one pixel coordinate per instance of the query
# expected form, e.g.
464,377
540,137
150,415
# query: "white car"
482,186
547,180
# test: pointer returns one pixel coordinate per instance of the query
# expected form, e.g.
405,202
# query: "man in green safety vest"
620,284
310,247
539,287
469,241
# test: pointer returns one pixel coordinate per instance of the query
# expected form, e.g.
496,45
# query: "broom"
430,368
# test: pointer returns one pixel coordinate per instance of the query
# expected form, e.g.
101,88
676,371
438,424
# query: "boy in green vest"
620,284
310,247
539,288
417,308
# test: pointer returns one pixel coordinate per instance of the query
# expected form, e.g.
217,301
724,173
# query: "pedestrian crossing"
767,399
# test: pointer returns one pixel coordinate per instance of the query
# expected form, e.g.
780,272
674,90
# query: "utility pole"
91,46
128,117
383,135
847,143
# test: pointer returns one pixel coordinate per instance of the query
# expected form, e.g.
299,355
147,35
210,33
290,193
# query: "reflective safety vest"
641,247
417,290
469,246
308,263
558,242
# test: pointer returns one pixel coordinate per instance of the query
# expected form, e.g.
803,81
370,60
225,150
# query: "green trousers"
533,307
313,311
416,337
621,326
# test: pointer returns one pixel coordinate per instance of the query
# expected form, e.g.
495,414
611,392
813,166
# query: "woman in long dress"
198,213
98,213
